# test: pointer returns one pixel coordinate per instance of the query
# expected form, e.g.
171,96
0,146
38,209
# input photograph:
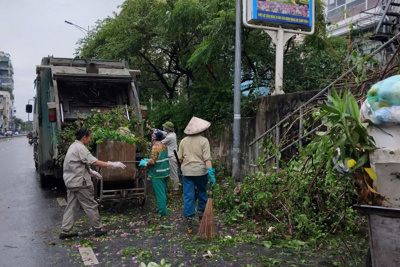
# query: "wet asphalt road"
29,214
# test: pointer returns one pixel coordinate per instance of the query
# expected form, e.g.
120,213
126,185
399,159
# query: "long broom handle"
210,193
177,159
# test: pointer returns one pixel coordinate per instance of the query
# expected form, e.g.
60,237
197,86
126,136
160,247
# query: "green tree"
156,37
23,125
185,50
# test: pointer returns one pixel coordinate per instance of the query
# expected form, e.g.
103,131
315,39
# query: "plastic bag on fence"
385,93
381,115
388,114
366,112
372,96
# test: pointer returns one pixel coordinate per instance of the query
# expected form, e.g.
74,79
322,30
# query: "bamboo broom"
207,226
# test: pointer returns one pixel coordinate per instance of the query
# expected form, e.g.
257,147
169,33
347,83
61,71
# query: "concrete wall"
271,109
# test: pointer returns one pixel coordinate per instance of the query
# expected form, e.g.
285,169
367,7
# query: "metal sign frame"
263,27
279,36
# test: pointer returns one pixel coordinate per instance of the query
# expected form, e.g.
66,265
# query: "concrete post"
279,38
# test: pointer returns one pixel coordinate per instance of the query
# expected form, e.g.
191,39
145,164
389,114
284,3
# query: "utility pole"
237,94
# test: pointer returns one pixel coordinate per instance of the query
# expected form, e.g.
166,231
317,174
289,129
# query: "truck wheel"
44,181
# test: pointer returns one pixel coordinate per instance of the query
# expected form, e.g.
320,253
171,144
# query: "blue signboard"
285,13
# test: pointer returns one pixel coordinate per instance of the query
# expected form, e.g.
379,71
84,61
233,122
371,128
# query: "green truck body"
67,87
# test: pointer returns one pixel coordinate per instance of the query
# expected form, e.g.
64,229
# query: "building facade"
6,94
6,112
377,19
343,13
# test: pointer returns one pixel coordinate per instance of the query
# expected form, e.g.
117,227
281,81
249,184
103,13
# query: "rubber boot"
189,226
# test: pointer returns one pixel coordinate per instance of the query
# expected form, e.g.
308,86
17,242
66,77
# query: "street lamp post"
85,31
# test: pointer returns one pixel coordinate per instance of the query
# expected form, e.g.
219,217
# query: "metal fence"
279,133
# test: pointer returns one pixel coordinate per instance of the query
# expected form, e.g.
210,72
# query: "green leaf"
297,244
335,94
267,244
355,137
334,101
321,133
354,107
361,161
330,109
343,105
303,218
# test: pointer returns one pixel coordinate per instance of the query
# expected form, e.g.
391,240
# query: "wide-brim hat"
196,126
169,125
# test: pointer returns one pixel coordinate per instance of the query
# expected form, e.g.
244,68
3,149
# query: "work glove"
179,173
95,174
113,165
143,162
212,177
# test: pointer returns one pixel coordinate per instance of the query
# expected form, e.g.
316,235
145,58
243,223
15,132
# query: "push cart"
120,185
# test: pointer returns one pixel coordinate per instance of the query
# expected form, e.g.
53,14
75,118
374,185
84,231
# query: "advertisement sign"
291,14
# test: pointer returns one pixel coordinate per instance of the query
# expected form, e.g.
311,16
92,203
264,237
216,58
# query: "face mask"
163,129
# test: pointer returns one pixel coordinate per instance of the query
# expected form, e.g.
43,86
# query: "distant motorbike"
30,138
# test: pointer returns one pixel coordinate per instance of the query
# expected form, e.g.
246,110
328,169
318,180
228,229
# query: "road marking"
88,256
61,201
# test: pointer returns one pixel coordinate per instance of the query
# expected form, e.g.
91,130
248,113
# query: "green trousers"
160,187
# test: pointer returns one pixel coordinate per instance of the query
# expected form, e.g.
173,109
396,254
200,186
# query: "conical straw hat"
196,125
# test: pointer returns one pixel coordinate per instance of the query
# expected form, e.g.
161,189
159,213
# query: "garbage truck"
67,88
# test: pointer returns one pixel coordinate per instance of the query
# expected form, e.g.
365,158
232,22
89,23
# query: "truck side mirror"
28,108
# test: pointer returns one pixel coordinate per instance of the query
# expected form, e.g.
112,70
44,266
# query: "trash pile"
383,102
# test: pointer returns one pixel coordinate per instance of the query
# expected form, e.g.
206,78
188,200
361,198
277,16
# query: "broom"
207,226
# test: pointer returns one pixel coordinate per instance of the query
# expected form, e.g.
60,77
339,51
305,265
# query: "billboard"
290,14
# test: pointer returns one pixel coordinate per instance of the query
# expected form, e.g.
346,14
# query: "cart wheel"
368,258
117,206
142,201
141,183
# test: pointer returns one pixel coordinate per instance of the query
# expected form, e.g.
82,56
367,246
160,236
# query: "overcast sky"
33,29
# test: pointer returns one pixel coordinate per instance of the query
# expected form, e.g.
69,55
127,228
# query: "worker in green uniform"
158,170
